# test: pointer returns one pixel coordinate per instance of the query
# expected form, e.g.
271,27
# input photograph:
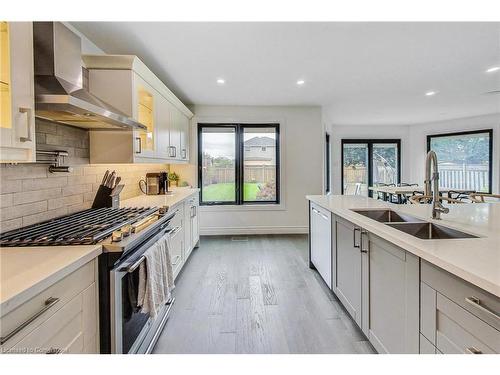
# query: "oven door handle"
132,267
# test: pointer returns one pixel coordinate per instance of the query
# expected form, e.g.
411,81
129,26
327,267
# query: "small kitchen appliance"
155,183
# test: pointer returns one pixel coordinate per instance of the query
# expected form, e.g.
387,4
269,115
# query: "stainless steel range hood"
61,93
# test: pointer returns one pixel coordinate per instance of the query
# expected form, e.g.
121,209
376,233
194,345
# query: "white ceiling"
369,73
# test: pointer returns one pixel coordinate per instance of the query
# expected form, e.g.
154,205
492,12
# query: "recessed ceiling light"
430,93
493,69
220,81
300,82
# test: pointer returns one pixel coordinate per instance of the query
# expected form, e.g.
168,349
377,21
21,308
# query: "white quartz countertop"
27,271
476,260
179,194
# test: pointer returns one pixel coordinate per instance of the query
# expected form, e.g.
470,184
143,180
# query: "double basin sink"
411,225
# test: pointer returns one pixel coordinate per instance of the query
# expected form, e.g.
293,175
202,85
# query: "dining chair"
484,197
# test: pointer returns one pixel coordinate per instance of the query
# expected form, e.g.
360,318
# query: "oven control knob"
116,236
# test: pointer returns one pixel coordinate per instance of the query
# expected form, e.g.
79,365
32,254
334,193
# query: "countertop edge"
468,276
25,295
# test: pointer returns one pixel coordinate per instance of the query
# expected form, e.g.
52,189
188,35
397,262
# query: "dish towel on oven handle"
156,278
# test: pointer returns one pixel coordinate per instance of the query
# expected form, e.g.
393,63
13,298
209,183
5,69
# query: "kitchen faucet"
437,207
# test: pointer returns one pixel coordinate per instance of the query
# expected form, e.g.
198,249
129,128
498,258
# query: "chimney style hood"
61,93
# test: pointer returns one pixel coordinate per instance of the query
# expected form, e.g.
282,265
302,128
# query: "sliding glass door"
369,162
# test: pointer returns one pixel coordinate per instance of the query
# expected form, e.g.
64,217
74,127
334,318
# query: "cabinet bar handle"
183,153
354,237
476,302
29,126
51,301
361,241
140,145
472,350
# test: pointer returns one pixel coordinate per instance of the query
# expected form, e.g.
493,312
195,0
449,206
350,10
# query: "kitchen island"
404,291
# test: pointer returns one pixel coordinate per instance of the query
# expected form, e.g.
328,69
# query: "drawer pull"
476,302
51,301
473,350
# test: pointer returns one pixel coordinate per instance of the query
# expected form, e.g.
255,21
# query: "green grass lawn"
225,192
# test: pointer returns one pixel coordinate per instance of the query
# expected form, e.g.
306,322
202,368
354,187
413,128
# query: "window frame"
470,132
239,163
370,143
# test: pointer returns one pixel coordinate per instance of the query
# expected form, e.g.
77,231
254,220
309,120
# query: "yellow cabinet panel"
5,88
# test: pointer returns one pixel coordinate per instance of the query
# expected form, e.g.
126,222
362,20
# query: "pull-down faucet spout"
437,207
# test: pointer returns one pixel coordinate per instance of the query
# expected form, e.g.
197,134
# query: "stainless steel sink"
388,216
429,231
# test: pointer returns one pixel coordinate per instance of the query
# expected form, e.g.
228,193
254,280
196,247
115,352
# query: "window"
238,163
464,159
369,162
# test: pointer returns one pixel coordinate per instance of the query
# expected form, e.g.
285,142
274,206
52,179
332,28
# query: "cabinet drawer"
65,290
177,220
459,331
487,306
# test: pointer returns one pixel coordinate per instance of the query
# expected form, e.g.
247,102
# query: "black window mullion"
239,164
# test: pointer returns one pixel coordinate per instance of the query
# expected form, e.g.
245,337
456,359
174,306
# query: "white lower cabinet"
457,317
402,303
378,284
185,235
192,234
61,319
321,242
348,283
393,298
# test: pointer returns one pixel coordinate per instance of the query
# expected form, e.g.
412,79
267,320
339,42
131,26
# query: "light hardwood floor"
256,296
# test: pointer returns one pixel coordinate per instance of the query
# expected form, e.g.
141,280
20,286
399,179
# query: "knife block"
103,198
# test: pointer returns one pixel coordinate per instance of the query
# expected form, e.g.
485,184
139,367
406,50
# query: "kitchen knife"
108,183
117,181
117,190
105,177
112,182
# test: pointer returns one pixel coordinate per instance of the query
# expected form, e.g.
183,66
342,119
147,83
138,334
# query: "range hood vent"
61,93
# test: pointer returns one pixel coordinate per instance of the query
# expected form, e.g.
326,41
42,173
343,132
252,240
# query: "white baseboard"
218,231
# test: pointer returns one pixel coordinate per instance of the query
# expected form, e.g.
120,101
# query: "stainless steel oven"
131,330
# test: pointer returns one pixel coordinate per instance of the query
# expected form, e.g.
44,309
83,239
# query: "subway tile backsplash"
29,193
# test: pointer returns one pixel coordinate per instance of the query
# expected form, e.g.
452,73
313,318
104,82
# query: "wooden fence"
254,173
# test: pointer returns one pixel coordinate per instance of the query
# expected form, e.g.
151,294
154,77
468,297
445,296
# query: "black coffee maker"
155,183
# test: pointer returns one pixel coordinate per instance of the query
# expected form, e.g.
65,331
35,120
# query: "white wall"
301,137
413,142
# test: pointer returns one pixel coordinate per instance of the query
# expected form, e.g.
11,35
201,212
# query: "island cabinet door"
347,283
321,242
393,298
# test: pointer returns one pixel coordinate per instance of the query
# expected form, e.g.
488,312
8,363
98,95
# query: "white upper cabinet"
17,120
127,84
